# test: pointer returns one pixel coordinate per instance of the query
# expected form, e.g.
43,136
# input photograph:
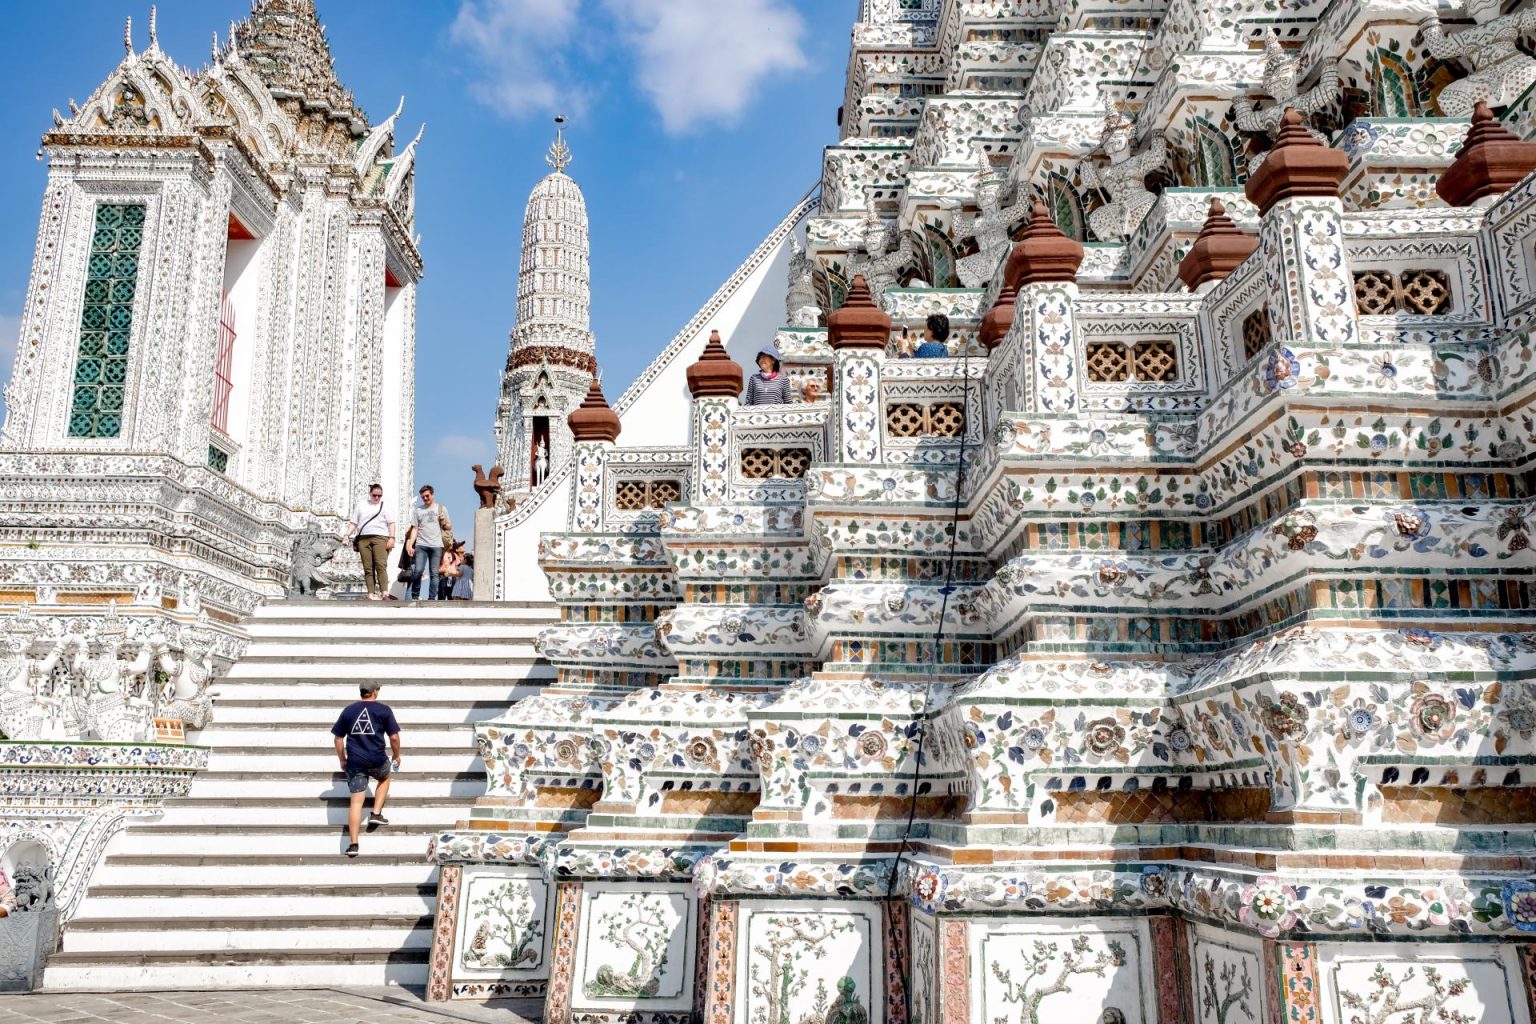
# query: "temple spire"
559,155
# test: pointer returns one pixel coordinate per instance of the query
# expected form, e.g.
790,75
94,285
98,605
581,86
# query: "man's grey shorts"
357,782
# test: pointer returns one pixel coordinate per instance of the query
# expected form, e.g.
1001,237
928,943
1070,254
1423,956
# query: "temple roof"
285,43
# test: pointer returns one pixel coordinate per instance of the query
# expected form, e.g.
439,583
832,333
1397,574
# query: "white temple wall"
242,276
394,441
747,322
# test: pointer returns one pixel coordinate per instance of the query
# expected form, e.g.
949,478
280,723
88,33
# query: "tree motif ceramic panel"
1450,984
506,923
636,948
1228,978
1029,973
809,963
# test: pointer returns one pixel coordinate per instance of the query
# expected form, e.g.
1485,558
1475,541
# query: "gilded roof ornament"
559,155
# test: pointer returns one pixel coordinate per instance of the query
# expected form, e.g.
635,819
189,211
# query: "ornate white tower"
217,353
550,363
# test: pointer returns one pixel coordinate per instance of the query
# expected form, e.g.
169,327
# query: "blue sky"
695,124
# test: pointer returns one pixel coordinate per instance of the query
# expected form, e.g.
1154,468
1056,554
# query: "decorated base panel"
505,933
1093,972
635,953
808,963
1450,983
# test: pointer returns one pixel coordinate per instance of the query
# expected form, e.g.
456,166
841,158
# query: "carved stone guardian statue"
1123,177
991,228
877,259
1501,71
800,304
310,553
1281,87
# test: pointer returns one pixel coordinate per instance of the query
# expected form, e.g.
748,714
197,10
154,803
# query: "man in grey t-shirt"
429,520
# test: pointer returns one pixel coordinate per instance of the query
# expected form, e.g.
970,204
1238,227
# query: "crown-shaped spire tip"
1219,249
593,420
714,374
1297,165
559,155
1043,253
1492,160
859,323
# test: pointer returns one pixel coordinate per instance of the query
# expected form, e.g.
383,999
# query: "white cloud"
455,453
703,61
518,46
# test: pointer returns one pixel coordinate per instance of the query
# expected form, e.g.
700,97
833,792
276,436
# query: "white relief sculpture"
190,703
1282,87
1124,177
110,713
991,228
876,259
1501,71
800,305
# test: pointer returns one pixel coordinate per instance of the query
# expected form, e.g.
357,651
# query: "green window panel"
106,320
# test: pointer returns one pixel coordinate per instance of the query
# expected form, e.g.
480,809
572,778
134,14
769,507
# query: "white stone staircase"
243,882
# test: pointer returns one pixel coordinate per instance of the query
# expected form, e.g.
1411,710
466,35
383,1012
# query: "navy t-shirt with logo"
365,723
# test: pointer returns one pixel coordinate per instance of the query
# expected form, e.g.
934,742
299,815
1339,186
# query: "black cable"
898,948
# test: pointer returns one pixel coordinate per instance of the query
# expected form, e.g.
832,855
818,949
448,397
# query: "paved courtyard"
258,1006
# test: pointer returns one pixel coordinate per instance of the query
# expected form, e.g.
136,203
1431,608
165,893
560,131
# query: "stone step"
320,760
299,735
143,907
337,694
405,811
194,935
273,840
382,670
425,890
234,969
275,872
407,652
256,669
435,787
265,713
343,611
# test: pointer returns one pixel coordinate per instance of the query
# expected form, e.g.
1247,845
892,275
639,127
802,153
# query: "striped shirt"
761,391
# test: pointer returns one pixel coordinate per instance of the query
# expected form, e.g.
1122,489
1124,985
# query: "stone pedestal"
26,940
485,555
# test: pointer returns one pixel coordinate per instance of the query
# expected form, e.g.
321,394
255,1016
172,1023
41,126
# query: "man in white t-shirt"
373,532
429,520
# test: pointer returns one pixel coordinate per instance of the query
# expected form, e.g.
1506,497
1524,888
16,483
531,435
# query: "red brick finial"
1218,250
859,323
994,326
1043,253
593,420
1297,165
715,374
1492,160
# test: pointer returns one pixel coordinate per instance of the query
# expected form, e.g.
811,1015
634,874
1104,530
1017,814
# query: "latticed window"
1155,360
913,419
224,366
1256,336
106,321
1108,362
772,463
218,459
1424,292
1111,362
640,495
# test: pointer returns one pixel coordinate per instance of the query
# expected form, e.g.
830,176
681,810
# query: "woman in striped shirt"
767,386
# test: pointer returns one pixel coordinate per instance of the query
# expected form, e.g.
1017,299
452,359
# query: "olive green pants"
375,555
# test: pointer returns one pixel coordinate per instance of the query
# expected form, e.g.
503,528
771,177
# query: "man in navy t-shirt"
360,732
